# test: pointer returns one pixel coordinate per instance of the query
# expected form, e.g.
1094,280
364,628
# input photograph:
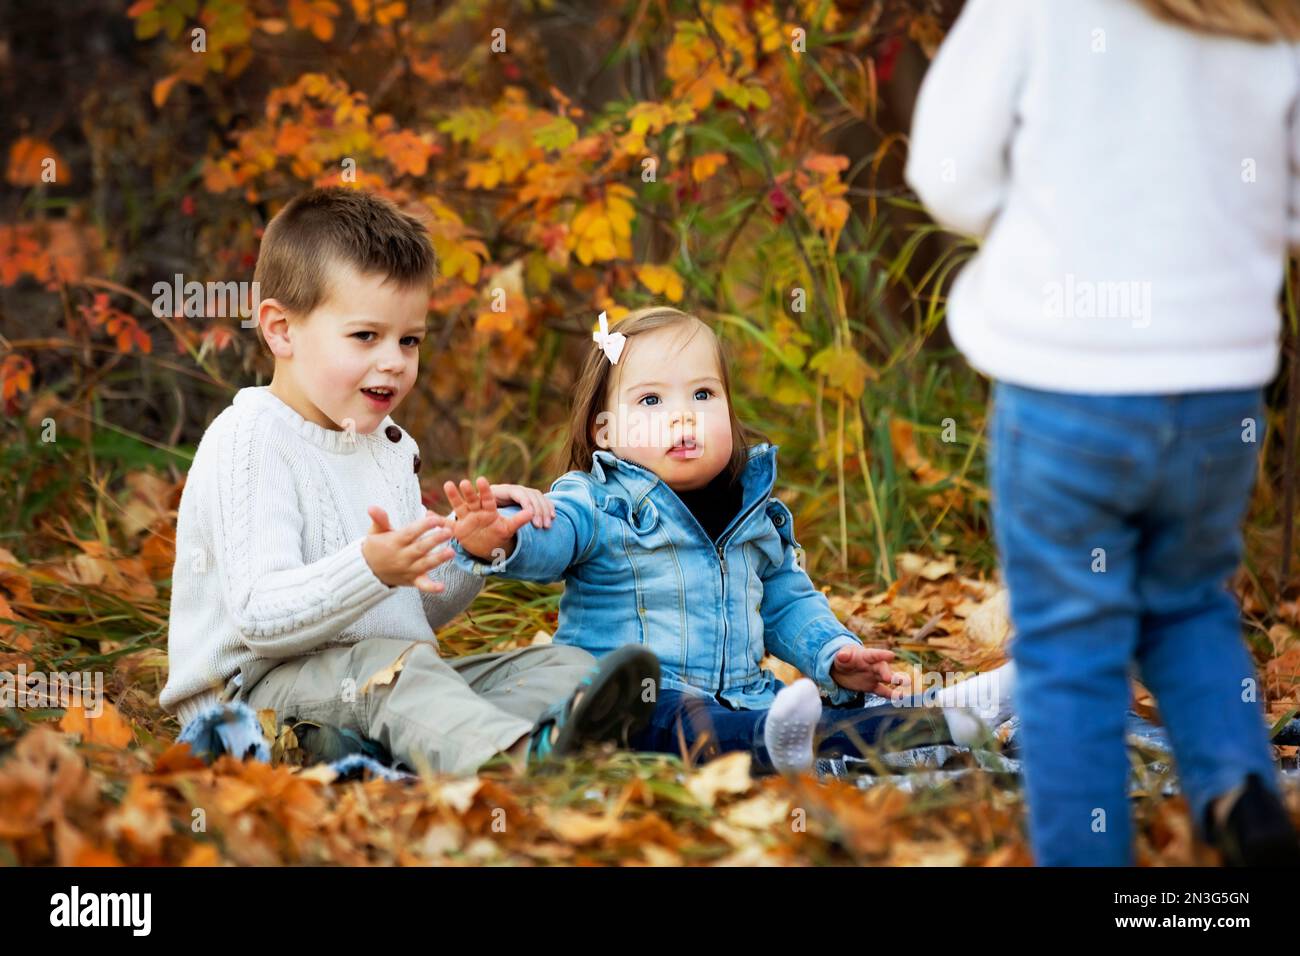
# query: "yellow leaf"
990,624
844,368
482,175
661,280
727,774
385,675
825,207
579,828
944,852
763,812
464,259
457,795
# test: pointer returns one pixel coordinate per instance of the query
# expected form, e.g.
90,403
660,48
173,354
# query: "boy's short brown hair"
324,227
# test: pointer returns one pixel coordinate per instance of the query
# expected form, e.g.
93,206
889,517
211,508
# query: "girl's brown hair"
592,388
1266,21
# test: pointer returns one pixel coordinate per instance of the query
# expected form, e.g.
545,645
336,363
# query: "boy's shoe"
1257,831
610,704
325,743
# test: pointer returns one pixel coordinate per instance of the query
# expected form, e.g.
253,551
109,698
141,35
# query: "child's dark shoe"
1256,831
610,704
325,743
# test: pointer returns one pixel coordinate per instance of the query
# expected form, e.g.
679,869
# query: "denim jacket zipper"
720,547
722,566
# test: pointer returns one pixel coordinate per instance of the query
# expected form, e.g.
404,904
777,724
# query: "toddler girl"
667,536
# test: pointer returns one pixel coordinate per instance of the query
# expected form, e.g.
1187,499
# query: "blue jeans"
701,728
1118,523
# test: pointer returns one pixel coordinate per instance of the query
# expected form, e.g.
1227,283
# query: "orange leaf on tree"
163,88
705,165
27,162
826,164
291,138
314,15
406,152
15,376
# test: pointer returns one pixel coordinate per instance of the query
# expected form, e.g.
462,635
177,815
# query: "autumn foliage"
739,159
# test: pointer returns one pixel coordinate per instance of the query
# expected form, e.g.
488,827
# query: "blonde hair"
1265,21
590,392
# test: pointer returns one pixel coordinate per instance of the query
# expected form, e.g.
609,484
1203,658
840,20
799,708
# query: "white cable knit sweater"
268,547
1135,184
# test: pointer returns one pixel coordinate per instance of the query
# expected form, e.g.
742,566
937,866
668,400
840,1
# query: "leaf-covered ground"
116,789
776,208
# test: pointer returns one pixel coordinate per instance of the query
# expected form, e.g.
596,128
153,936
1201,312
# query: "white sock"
788,732
975,707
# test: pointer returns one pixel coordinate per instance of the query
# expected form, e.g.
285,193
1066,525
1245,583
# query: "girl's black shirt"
714,504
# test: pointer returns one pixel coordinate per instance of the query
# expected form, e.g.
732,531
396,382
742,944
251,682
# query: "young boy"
308,577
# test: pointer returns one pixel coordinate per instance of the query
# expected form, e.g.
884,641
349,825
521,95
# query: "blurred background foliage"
741,160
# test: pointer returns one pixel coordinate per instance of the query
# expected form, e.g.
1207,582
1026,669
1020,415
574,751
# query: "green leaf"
560,133
148,25
173,21
467,125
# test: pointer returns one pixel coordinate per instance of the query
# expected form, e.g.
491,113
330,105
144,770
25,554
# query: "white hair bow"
611,343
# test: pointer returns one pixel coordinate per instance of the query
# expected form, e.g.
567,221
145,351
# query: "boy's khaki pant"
451,715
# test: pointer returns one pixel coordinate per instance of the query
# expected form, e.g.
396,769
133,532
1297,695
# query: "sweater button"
417,464
394,433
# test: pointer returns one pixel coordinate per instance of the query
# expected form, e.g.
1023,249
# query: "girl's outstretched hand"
482,530
542,507
865,669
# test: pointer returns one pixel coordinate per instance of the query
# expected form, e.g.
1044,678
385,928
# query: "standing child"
306,564
667,537
1136,184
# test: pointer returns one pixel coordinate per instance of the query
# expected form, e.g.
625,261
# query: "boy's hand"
482,530
542,507
405,556
865,669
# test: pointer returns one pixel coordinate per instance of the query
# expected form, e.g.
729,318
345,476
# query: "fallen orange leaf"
108,729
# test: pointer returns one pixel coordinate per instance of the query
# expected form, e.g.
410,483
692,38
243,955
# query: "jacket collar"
757,479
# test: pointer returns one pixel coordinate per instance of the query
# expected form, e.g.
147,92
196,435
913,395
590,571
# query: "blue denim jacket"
638,568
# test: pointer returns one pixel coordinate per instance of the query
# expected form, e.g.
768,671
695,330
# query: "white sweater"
1135,184
268,547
